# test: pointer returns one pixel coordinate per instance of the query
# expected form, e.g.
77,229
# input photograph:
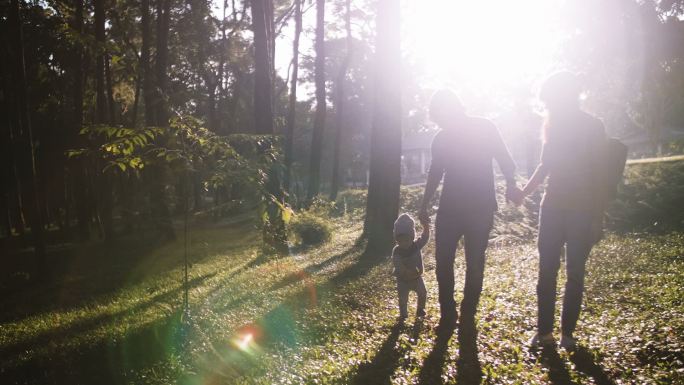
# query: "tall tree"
78,172
263,85
145,68
319,120
23,128
385,154
161,76
105,201
339,103
158,172
100,98
292,108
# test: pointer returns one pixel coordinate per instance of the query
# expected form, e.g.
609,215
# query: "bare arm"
504,159
434,178
424,236
537,178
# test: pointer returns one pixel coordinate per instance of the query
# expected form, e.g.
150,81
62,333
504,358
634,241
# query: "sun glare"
244,341
484,43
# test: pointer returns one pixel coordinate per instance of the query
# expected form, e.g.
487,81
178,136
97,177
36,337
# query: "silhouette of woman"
572,142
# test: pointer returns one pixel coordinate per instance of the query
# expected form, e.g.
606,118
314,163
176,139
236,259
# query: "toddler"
408,262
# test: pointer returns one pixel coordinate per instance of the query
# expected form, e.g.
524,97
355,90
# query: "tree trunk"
145,69
339,104
78,173
263,88
157,173
161,109
22,122
319,119
273,231
100,98
385,156
111,108
292,108
104,190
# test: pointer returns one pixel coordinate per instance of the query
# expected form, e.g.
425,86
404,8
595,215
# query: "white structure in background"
415,156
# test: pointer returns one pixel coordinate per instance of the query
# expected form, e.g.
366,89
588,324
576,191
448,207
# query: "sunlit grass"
320,316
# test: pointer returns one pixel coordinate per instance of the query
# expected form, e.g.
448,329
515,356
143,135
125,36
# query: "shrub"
309,229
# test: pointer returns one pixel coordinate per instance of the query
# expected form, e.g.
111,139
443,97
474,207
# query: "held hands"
515,194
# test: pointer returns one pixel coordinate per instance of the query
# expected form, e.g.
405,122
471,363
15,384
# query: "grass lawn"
327,315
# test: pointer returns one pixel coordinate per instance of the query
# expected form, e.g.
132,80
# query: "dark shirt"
463,154
570,157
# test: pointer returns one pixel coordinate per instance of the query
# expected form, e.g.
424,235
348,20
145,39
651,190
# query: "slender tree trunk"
100,97
339,104
78,165
6,162
385,156
263,88
145,69
104,184
25,133
163,14
292,108
319,119
158,173
111,108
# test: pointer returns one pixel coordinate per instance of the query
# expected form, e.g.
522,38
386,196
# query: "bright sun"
487,43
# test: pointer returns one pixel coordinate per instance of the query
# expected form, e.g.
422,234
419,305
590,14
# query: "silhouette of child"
408,262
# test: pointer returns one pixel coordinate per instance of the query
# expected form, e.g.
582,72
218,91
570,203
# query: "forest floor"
328,315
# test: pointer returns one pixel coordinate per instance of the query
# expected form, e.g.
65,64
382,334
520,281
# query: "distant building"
415,156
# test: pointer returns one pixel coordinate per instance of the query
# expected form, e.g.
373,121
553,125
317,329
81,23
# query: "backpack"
609,172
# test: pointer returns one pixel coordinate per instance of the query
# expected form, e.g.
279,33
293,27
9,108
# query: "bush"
650,199
309,229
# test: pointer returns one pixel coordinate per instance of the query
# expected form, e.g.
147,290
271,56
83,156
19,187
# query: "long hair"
560,94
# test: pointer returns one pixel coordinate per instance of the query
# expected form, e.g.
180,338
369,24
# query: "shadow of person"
385,361
415,331
558,371
431,371
585,362
468,368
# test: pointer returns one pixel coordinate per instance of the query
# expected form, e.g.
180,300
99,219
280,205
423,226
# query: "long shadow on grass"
558,371
61,334
584,363
313,269
431,372
112,362
81,273
468,369
380,369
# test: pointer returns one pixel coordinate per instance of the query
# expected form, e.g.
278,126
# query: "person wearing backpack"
573,157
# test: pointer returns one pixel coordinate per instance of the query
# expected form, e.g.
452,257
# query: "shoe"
420,313
545,340
448,320
568,342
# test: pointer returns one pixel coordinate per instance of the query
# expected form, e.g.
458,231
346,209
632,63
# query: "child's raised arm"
425,235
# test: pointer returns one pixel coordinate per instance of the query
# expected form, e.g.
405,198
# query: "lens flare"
243,342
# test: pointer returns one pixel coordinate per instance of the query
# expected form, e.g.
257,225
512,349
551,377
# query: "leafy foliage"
651,198
309,229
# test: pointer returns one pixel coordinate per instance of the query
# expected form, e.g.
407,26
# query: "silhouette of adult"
572,144
462,153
